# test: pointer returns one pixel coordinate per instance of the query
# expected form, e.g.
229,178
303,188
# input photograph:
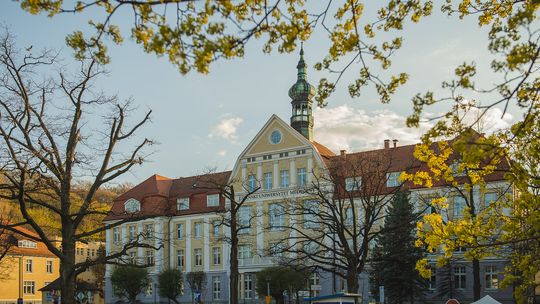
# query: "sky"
205,121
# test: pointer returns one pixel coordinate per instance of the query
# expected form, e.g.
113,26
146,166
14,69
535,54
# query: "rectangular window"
301,177
244,219
244,251
459,206
268,181
150,257
252,182
248,286
27,244
490,198
132,257
460,278
29,265
182,203
29,287
180,231
349,216
284,178
198,256
116,235
197,230
216,288
492,277
275,249
215,227
148,231
87,251
49,266
131,232
392,179
433,279
353,183
216,255
310,212
276,216
212,200
180,260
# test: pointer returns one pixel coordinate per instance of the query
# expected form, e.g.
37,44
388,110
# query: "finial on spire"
301,48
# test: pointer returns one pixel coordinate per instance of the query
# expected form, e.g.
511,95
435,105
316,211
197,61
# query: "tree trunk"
233,281
477,286
352,281
67,269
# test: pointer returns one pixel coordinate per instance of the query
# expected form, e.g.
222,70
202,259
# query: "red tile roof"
13,238
158,195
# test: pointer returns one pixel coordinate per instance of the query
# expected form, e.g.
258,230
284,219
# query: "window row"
29,266
284,180
459,278
197,257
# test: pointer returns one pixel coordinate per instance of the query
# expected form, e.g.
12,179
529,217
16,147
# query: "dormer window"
353,183
182,203
132,206
212,200
27,244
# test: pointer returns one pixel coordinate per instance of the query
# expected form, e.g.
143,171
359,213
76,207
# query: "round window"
275,137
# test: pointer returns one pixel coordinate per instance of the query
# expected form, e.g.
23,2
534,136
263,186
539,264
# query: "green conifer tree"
395,254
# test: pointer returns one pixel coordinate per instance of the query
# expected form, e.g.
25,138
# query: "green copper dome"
301,90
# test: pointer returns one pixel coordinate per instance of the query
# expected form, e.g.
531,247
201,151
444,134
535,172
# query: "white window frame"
284,178
353,183
116,235
49,266
180,259
132,205
491,278
248,286
149,257
460,277
216,287
392,179
310,219
27,244
244,251
275,249
182,203
216,255
216,229
276,217
252,182
197,230
148,231
268,180
29,287
462,203
29,266
197,254
244,219
180,231
301,177
212,200
132,232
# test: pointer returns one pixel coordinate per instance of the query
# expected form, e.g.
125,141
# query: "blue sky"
203,121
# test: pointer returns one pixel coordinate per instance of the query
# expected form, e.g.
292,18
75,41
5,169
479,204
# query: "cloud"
489,122
226,129
352,129
222,152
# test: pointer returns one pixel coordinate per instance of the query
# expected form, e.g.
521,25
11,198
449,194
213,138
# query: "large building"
182,219
27,267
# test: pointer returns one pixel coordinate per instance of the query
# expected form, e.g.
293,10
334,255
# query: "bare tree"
332,231
197,282
56,129
232,217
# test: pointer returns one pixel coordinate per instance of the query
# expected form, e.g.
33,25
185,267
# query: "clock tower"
301,94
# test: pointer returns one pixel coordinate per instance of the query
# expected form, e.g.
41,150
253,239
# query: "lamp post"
268,290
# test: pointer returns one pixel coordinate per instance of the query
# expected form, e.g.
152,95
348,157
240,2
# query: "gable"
262,143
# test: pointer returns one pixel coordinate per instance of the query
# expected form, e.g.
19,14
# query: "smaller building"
27,267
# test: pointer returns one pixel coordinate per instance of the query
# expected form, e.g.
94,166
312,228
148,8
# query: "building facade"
27,267
183,220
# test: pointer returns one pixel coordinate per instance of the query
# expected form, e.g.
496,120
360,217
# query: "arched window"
132,206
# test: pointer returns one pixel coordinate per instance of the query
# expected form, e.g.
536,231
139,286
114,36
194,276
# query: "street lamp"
268,290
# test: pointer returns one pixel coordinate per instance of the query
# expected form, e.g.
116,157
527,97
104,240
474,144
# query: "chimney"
387,143
342,152
395,142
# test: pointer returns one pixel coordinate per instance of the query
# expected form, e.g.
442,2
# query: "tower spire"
301,94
